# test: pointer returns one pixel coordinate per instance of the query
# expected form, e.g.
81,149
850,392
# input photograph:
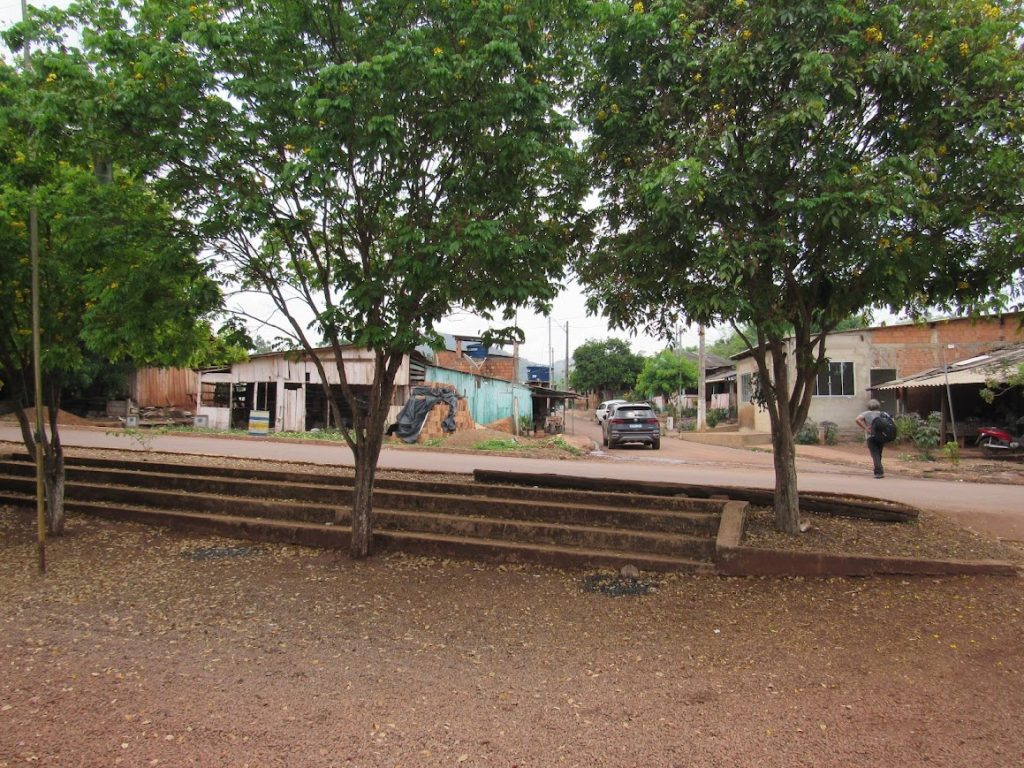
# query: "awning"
554,394
996,365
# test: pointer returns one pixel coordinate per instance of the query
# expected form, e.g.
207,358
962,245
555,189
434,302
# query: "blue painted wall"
488,399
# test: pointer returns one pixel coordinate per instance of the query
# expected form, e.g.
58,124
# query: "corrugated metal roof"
996,365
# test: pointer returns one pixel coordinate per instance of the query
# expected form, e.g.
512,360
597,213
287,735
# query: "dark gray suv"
632,423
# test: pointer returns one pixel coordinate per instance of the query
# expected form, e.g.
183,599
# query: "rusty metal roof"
996,366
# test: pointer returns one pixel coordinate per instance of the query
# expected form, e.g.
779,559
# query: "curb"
733,559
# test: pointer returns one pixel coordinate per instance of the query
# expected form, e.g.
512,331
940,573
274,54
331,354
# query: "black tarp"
414,412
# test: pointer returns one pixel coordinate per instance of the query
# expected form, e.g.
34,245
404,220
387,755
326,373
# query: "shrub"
952,449
926,439
923,433
907,425
808,434
831,432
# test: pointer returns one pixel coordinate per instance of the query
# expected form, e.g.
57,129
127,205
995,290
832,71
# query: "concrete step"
418,542
319,502
417,514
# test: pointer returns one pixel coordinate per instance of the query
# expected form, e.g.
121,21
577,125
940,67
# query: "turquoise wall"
488,399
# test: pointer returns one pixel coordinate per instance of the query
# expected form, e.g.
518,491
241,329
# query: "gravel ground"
142,647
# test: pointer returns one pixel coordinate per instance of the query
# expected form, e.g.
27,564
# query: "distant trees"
607,367
665,374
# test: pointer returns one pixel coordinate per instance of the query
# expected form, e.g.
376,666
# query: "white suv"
601,414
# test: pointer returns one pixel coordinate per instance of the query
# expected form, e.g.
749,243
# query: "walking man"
875,444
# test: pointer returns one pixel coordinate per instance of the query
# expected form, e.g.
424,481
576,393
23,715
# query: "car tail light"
617,421
650,421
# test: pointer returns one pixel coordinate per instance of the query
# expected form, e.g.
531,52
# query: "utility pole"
551,356
702,405
679,387
515,380
37,368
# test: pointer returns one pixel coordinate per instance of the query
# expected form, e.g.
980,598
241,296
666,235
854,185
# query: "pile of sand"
63,418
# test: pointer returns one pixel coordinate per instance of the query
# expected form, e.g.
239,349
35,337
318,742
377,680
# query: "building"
285,389
860,361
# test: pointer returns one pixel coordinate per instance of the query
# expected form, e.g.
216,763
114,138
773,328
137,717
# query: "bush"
831,432
906,427
923,433
808,434
927,438
952,449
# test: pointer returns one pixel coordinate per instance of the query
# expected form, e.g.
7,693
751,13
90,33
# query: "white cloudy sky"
568,307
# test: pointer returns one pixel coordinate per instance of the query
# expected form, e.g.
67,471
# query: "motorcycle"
996,440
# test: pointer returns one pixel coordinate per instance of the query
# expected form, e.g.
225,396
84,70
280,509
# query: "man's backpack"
883,428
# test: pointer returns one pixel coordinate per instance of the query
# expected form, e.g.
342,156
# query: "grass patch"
500,444
561,444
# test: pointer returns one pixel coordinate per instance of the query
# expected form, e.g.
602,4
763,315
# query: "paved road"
995,509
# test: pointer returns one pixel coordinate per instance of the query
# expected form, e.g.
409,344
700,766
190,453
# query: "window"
216,394
835,381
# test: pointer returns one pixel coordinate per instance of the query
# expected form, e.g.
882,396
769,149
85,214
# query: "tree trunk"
776,393
53,464
368,429
53,477
361,545
787,501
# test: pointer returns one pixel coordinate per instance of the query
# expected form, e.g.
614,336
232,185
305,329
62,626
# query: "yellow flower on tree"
873,35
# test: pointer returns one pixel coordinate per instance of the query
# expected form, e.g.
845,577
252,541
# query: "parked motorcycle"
996,440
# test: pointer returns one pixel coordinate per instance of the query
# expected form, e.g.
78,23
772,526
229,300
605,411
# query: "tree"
119,277
784,165
369,166
607,367
666,373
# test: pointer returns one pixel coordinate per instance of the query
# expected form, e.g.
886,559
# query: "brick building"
864,358
469,355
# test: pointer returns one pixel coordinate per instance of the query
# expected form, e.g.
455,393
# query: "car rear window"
634,413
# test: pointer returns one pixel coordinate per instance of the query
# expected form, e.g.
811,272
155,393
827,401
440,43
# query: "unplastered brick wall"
432,428
914,348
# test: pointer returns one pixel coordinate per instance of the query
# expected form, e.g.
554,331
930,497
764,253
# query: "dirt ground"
142,647
901,459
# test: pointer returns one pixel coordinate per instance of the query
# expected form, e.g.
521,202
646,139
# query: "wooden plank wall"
165,387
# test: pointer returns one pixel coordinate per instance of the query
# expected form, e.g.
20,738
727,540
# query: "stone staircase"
444,515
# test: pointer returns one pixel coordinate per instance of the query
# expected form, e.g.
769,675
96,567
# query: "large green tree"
782,165
119,277
665,374
370,166
607,367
